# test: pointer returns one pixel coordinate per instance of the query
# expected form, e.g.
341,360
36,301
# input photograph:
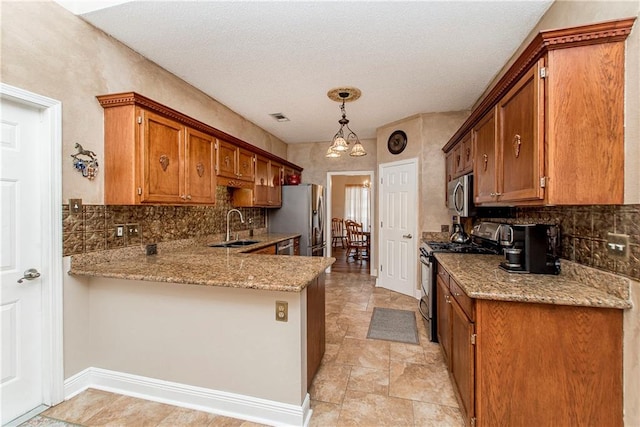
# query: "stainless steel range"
484,240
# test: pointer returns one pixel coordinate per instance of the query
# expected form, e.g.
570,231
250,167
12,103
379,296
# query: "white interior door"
21,304
398,234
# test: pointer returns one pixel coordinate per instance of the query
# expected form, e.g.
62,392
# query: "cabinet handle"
164,162
458,159
200,169
516,145
485,159
188,196
183,197
468,153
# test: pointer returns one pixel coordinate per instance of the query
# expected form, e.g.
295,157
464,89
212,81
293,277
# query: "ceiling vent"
279,117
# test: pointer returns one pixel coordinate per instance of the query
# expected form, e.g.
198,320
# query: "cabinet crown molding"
133,98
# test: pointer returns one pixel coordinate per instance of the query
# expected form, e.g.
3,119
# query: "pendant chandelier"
340,143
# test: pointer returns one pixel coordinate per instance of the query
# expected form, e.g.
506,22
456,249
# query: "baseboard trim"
233,405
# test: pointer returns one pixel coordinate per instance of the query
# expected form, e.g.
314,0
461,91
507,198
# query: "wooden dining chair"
337,233
356,243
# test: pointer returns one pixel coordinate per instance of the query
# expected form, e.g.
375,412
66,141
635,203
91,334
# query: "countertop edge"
604,299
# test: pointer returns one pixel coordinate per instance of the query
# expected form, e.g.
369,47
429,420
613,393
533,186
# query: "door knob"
407,236
29,274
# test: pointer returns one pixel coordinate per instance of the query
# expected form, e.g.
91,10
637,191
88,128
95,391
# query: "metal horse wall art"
85,161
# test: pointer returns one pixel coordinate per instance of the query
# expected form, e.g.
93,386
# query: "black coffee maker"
535,249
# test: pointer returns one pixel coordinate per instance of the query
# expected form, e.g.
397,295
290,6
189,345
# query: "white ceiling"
263,57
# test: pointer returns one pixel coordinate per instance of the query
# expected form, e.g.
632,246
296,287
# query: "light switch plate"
75,206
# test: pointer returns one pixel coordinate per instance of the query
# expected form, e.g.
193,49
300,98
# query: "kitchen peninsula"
197,326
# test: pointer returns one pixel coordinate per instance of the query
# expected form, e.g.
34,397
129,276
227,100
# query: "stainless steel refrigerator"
302,211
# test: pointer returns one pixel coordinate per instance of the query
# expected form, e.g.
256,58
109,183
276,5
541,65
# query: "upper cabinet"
156,155
235,165
267,188
551,131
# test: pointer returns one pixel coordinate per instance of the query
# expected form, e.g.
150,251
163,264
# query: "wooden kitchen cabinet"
267,250
151,158
316,335
267,189
156,155
462,158
485,160
559,117
235,165
520,139
444,316
518,363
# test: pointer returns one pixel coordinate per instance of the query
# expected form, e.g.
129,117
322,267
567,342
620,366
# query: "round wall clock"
397,142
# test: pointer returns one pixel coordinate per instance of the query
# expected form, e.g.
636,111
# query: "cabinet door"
463,358
200,167
458,164
448,176
467,154
484,169
521,130
226,161
245,165
444,319
162,166
261,188
275,184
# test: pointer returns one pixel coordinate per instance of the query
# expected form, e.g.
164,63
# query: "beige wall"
48,50
426,135
311,156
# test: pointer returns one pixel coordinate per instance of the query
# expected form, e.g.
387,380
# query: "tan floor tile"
324,414
330,383
330,352
358,330
369,380
82,407
407,353
180,417
129,411
365,409
366,353
426,383
432,415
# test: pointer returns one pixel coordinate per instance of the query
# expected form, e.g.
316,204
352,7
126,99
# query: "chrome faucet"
241,220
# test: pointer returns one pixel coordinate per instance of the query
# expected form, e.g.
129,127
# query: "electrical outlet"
119,230
282,311
151,249
75,206
444,228
132,230
618,245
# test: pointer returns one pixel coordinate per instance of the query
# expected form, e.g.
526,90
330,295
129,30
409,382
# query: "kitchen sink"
234,244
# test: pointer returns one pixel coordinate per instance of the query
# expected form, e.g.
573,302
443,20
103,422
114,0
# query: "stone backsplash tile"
95,227
584,233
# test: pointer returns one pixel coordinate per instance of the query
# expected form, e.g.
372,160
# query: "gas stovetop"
428,248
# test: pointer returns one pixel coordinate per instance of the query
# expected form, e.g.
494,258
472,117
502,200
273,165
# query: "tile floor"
361,382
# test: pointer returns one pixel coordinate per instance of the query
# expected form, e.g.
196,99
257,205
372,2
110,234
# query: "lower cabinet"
267,250
515,363
315,326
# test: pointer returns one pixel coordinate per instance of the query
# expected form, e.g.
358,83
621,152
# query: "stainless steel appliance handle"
457,188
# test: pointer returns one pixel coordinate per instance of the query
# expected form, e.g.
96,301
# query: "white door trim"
412,161
50,162
372,179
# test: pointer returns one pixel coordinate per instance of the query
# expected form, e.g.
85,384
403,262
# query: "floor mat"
393,325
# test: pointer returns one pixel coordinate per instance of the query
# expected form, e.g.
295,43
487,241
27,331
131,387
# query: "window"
357,204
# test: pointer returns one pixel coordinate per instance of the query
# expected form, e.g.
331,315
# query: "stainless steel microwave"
460,191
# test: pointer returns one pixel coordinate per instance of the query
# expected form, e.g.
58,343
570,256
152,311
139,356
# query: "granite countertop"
194,262
480,277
